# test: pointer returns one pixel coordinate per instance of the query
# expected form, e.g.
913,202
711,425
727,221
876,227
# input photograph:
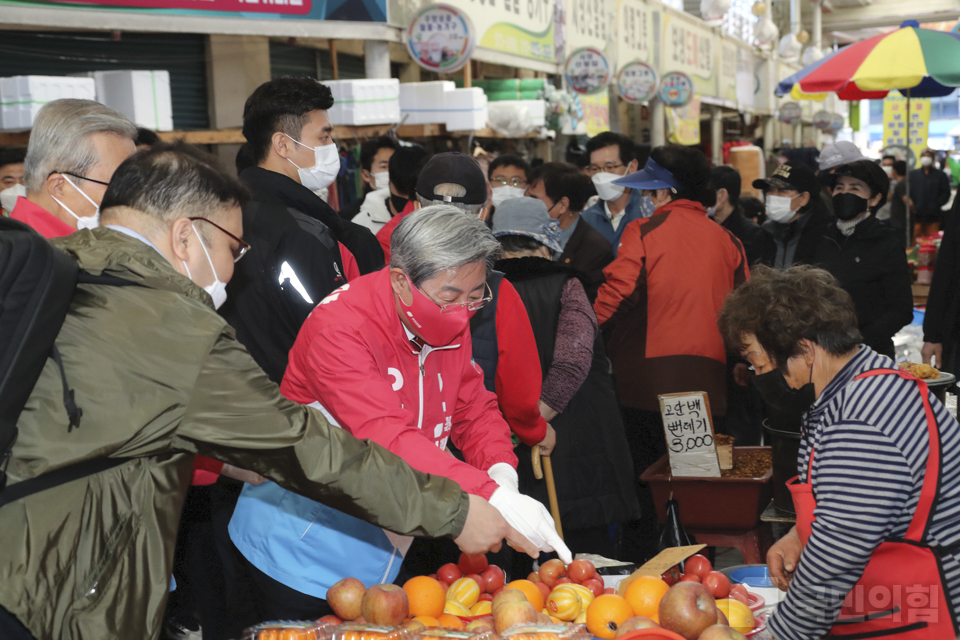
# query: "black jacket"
872,266
589,252
749,233
929,192
941,323
592,465
810,229
270,186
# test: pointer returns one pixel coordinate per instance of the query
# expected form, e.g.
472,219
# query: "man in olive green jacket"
161,377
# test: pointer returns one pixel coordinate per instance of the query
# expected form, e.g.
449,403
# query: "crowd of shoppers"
374,378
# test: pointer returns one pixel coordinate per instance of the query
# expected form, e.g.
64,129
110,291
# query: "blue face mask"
646,206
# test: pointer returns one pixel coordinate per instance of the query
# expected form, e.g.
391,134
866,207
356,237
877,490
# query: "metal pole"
658,135
716,135
906,179
817,26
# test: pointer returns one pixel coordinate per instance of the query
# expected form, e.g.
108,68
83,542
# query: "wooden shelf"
235,136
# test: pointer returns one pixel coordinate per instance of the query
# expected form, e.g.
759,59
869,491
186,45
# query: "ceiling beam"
889,14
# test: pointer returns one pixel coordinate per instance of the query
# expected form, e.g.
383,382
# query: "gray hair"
438,238
60,139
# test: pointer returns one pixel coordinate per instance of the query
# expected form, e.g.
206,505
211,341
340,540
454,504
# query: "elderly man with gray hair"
75,146
388,358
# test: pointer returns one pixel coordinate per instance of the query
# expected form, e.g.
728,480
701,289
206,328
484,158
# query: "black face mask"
399,203
847,206
778,394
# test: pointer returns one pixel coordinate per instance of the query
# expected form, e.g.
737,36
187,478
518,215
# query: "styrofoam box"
360,102
21,97
424,102
465,109
142,96
536,109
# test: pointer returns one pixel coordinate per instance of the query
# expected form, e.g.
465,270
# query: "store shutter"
57,53
293,60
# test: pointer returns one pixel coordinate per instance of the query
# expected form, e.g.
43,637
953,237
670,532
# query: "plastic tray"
288,630
729,504
546,632
372,632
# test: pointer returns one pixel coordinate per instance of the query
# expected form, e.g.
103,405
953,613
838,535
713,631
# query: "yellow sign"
685,123
596,112
895,118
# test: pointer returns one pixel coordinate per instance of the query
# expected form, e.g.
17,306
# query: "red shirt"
387,230
44,222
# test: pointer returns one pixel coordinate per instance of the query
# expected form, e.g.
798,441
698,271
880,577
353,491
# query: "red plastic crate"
731,504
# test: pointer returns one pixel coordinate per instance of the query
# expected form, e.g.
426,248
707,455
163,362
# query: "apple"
595,585
697,565
544,589
687,608
534,577
385,604
562,580
482,625
551,571
449,573
543,618
717,583
580,570
494,577
689,577
345,598
720,632
329,620
722,617
480,581
634,624
511,613
485,596
508,595
472,564
672,575
359,620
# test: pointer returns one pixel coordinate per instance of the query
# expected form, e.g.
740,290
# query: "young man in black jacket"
726,212
796,216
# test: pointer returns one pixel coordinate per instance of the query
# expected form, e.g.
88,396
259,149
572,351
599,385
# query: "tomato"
472,564
717,583
672,575
449,573
580,570
698,565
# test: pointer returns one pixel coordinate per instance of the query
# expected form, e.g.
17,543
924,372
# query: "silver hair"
472,209
60,139
438,238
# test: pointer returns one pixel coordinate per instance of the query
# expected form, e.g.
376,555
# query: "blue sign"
676,89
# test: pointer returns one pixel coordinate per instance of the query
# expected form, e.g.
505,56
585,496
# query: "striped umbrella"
920,63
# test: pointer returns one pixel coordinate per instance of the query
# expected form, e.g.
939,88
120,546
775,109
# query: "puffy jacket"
160,377
662,297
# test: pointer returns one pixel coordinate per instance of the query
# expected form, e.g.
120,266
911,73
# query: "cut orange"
644,595
426,596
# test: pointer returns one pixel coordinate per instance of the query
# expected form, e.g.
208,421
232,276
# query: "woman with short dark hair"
879,461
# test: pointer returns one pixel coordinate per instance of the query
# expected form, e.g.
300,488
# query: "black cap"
867,171
791,175
453,168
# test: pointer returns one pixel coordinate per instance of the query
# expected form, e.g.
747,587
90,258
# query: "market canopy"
921,62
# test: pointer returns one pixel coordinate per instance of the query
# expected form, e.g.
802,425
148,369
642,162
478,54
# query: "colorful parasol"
921,63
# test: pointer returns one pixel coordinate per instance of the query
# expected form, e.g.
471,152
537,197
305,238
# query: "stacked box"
21,97
362,102
535,110
465,109
423,102
142,96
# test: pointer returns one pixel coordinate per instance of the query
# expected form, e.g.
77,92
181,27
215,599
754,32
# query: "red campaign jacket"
43,222
354,358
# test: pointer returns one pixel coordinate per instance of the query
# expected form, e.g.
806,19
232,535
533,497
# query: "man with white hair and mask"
75,146
159,377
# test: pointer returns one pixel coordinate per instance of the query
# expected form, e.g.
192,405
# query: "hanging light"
758,9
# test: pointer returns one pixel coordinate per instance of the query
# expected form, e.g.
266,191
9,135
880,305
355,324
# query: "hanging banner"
685,123
587,71
790,113
441,38
692,48
895,129
634,32
591,23
676,89
637,82
596,113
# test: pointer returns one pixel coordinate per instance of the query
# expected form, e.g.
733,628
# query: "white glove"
505,476
531,519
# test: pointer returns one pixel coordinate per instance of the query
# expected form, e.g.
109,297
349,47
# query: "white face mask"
217,289
887,169
500,194
83,222
8,197
607,191
778,208
926,161
381,180
324,170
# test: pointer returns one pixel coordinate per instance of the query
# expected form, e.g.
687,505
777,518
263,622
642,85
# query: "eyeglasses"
513,182
240,251
78,177
607,168
473,305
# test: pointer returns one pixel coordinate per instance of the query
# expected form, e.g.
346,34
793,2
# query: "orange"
644,595
564,604
450,621
466,591
426,596
605,615
531,591
430,621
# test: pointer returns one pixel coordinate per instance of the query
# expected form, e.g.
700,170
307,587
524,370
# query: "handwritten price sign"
689,432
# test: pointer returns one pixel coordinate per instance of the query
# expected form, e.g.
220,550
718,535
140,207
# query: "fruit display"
289,630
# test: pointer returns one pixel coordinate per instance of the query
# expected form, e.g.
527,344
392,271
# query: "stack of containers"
21,97
142,96
363,102
441,102
512,88
465,109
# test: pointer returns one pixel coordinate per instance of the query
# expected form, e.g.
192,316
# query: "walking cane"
539,473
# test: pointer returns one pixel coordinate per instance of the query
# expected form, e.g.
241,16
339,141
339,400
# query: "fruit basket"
733,504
